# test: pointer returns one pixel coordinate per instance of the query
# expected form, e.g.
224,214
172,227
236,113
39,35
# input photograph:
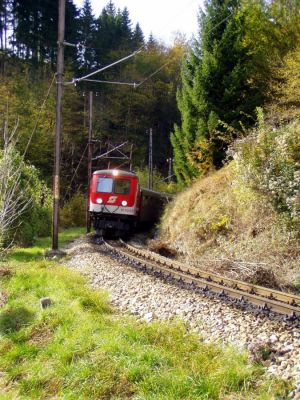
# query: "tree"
151,43
137,37
12,201
87,33
35,29
4,23
126,31
284,106
224,78
24,199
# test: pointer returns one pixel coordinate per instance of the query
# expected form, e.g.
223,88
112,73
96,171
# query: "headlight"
115,172
99,201
124,203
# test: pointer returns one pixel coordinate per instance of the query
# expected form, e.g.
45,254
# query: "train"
119,206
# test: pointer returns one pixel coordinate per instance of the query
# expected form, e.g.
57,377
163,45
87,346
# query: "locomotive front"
114,201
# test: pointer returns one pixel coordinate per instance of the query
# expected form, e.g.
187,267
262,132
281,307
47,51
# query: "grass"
79,348
218,221
35,253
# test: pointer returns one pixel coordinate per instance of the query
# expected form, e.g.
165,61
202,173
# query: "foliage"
21,101
223,224
284,105
121,113
159,183
24,198
73,212
269,162
37,251
32,26
225,77
79,348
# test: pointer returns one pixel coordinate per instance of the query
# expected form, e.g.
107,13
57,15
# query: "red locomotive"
118,204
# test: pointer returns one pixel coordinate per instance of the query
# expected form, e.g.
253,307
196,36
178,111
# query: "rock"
45,302
273,342
148,317
273,338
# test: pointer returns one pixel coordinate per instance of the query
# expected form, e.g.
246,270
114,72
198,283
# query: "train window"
122,186
105,185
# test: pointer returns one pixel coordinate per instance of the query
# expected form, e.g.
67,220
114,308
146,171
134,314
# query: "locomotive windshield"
105,185
117,186
122,186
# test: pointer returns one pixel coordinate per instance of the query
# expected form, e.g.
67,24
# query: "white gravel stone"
147,297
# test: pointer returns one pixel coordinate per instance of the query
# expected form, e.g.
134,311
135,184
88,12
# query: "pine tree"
35,29
137,37
225,78
151,43
126,31
87,33
184,138
4,23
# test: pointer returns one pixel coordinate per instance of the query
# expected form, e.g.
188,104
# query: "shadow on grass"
37,251
15,319
26,255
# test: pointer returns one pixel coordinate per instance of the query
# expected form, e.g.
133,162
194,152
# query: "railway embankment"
274,344
243,220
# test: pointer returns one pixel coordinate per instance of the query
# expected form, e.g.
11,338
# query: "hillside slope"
220,225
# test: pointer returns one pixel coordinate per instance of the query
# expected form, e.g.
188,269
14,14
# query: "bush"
159,184
269,162
25,200
73,212
36,219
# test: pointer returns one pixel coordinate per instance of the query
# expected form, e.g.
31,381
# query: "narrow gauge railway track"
265,299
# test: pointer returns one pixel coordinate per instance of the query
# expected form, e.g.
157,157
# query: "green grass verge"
35,253
79,348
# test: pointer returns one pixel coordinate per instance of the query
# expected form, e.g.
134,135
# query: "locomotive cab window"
117,186
122,186
105,185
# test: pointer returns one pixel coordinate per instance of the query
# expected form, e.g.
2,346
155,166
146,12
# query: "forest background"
202,99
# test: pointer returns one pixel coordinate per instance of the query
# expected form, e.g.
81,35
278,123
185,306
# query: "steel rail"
183,273
250,288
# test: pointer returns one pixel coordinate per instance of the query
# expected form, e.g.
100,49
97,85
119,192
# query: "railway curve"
268,301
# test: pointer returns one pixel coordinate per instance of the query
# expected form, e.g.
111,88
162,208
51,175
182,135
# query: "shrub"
36,219
25,200
159,184
73,212
269,162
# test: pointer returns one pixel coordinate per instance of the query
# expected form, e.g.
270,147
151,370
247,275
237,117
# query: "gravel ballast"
275,343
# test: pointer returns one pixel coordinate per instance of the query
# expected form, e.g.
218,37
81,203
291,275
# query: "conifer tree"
35,29
224,78
87,33
151,43
4,23
126,31
137,37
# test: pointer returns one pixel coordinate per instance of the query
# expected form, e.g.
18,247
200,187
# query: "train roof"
152,193
110,172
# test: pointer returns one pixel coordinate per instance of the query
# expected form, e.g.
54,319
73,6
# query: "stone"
45,302
273,338
275,343
148,317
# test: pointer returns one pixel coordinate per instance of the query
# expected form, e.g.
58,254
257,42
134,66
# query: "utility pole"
59,78
150,163
170,161
90,155
130,165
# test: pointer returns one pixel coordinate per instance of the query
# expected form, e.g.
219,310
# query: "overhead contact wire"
76,80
